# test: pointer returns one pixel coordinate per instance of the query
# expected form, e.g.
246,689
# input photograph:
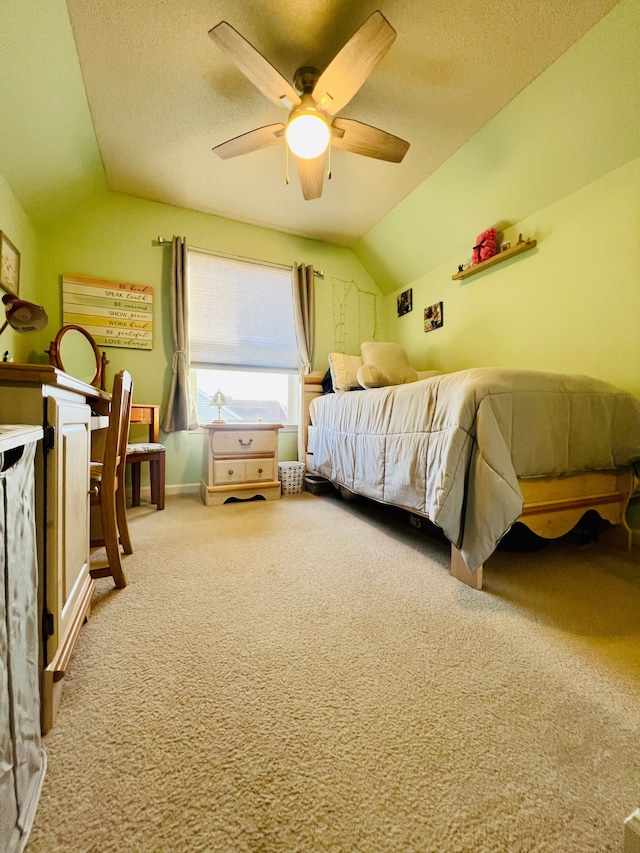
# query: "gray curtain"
180,413
304,313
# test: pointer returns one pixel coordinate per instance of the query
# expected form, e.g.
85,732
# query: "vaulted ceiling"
161,95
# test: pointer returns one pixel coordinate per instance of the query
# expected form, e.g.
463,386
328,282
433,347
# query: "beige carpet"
302,675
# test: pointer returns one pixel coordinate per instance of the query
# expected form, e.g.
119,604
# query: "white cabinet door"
67,565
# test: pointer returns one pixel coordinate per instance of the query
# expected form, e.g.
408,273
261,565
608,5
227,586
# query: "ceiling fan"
312,102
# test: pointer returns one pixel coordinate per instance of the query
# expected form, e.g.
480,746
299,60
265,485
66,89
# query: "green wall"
112,236
560,164
15,223
575,123
572,304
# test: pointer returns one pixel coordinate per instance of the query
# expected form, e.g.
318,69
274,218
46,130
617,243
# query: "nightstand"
240,461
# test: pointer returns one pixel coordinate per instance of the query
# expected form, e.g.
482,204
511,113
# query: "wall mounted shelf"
521,246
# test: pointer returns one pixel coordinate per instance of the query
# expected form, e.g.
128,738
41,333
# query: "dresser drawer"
227,442
229,471
260,469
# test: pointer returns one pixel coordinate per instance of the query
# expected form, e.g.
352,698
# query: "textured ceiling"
161,95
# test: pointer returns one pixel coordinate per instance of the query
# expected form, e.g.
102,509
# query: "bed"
477,450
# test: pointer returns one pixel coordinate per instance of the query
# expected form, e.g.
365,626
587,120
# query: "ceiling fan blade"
346,73
370,141
311,174
254,140
254,66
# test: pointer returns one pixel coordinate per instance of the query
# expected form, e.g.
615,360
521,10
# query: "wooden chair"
107,482
152,452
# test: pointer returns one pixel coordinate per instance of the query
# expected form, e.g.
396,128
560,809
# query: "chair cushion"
149,447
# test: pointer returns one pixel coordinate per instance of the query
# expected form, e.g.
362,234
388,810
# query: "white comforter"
453,446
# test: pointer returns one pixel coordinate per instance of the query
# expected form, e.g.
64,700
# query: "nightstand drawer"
244,441
260,469
229,471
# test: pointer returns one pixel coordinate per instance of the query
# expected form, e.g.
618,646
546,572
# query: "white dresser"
240,461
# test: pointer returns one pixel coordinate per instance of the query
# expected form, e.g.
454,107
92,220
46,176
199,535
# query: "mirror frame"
55,359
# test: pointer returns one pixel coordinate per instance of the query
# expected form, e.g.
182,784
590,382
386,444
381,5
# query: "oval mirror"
75,351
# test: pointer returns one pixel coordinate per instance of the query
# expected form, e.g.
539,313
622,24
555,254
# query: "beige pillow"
384,363
344,371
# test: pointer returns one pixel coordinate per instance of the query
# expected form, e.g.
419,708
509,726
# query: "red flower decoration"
485,246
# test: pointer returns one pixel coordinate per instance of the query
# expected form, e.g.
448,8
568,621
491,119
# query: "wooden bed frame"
552,506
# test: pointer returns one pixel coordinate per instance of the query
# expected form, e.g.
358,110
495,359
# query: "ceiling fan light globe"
307,136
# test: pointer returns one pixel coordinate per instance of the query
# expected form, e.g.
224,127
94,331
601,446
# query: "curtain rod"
162,241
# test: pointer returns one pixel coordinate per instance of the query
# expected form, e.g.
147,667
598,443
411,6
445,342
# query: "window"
242,340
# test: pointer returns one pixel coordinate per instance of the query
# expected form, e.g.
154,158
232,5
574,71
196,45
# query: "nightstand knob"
230,471
259,470
245,443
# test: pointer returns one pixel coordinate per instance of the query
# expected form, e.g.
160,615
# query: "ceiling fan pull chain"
329,172
286,176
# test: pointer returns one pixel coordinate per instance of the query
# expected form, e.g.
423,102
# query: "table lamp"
218,400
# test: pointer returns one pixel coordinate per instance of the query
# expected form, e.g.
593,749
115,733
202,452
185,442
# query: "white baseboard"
183,489
178,489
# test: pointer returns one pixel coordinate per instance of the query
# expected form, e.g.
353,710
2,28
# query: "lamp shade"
23,316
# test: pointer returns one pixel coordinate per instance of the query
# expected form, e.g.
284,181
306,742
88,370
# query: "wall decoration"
9,265
464,270
355,315
115,313
405,302
433,317
485,247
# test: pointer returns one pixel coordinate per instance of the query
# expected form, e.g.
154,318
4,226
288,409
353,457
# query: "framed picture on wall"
433,317
9,265
405,302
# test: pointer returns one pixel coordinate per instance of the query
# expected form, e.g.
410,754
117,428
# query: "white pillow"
344,371
384,363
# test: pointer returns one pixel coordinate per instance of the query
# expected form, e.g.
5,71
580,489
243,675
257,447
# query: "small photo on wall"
405,302
433,317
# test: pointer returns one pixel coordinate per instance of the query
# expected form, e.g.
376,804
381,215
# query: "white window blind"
241,315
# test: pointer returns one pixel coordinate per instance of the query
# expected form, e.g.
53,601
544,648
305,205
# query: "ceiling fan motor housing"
305,79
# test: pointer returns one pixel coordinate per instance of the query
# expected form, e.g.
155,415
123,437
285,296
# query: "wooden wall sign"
115,313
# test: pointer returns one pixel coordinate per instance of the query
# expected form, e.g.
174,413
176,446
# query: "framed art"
433,317
405,302
9,265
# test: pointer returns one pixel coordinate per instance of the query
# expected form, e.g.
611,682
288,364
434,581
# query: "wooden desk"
147,414
68,411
